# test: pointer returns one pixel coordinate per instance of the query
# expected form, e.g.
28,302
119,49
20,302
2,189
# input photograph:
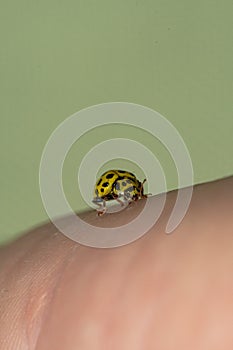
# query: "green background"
59,57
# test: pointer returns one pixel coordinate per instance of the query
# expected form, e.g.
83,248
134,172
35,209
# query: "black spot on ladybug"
123,183
128,181
99,182
109,176
130,189
121,171
105,184
102,190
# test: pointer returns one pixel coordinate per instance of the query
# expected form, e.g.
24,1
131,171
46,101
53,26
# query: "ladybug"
118,185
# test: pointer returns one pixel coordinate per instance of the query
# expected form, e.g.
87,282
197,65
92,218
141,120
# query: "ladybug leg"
135,198
102,209
130,201
118,200
141,194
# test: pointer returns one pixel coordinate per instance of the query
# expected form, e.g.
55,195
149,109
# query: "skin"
160,292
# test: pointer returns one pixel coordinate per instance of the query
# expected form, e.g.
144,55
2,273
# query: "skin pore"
160,292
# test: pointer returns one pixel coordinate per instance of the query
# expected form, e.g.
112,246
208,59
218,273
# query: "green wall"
59,57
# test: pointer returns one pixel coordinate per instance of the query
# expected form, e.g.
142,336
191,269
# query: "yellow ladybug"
116,184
